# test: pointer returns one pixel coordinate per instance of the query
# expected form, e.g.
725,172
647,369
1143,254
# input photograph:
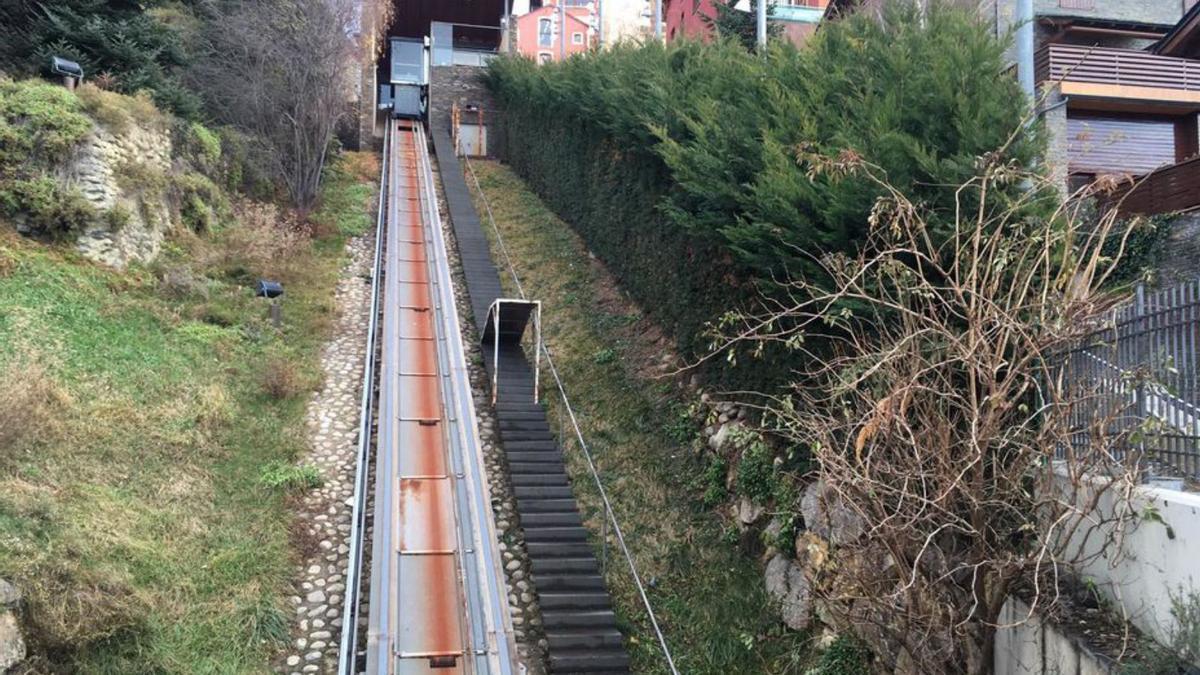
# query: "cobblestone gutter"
323,514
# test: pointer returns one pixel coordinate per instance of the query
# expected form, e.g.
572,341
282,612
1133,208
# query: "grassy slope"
710,599
136,520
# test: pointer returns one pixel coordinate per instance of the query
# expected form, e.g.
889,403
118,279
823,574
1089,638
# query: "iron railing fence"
1136,378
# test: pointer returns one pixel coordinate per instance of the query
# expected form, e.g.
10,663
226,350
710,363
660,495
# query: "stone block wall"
96,170
463,85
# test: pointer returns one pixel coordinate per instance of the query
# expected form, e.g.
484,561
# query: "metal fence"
1137,377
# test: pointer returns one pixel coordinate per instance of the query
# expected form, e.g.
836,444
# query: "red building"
690,18
542,36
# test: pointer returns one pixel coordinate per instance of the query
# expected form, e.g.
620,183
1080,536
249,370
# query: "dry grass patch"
31,406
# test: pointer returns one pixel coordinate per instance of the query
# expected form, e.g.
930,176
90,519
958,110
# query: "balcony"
1120,74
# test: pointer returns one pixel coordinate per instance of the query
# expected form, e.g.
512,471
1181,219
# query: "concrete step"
554,549
545,506
578,565
522,425
551,457
568,582
529,446
589,661
553,533
578,600
523,492
586,638
551,519
535,468
509,435
544,479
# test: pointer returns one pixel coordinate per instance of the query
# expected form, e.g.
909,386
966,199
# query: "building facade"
553,32
1115,88
798,19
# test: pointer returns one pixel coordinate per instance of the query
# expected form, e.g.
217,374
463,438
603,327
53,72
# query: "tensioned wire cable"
587,454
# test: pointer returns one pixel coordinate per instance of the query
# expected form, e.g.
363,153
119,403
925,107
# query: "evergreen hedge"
682,166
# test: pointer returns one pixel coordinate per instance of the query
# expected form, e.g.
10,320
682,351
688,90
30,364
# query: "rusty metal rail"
437,594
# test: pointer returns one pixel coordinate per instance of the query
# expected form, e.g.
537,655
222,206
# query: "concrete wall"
1029,645
1154,560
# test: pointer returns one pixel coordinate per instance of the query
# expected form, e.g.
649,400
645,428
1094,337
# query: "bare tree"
937,404
279,70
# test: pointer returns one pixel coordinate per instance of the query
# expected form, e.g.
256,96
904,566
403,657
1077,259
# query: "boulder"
828,516
788,585
748,512
720,439
12,642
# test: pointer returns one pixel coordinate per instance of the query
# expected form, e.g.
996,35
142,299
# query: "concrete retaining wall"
1028,645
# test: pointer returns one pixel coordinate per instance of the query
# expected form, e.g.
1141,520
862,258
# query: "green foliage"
1143,248
290,477
203,206
846,656
203,144
117,39
39,124
732,23
756,476
681,166
713,482
45,208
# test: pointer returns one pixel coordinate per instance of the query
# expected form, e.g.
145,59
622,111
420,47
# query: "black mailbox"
61,66
268,289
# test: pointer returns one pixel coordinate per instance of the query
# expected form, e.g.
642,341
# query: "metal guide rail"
437,591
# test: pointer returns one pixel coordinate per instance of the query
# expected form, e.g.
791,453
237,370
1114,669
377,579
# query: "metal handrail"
349,639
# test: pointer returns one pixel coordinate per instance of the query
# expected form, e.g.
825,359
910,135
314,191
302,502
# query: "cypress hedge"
683,166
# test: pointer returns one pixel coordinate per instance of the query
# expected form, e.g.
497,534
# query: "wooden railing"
1104,65
1167,190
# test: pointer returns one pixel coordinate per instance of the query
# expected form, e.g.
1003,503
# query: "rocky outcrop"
828,516
788,585
12,641
123,173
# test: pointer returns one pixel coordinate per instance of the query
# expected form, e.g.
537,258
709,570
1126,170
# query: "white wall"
1029,646
1157,559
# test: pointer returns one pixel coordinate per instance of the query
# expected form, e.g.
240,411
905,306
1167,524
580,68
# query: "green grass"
710,599
140,524
347,201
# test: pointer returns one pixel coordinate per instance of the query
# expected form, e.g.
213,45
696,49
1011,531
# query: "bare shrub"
30,404
936,405
281,379
280,71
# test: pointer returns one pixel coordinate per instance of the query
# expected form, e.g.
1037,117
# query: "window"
545,32
543,57
576,38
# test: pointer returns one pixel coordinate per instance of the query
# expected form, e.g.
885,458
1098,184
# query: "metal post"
604,546
537,351
562,30
1024,19
600,23
658,20
496,353
761,11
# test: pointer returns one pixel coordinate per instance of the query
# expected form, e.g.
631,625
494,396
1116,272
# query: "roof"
1070,21
1184,38
413,17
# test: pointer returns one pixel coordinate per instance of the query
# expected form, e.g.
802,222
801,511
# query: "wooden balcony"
1167,190
1120,75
